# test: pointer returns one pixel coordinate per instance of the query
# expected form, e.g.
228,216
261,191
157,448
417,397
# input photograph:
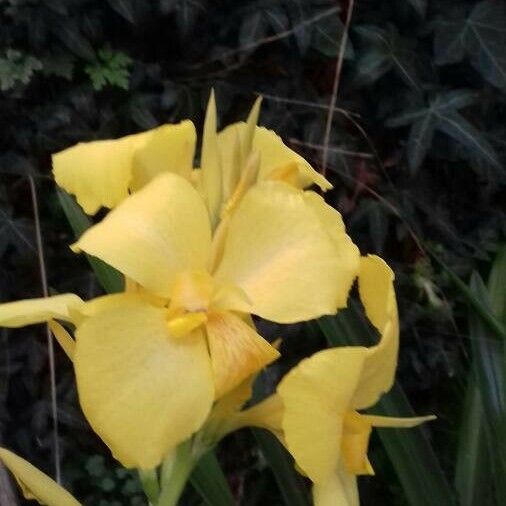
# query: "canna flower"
34,483
315,410
150,362
103,173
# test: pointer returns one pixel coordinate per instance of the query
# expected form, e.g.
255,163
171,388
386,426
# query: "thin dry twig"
50,345
335,85
306,103
333,149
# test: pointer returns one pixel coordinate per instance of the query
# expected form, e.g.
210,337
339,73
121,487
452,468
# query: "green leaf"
111,67
472,471
410,452
289,482
384,50
327,34
456,126
476,304
210,482
441,115
481,35
489,372
109,278
17,67
497,286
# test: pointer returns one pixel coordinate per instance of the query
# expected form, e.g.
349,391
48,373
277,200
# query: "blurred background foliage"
416,153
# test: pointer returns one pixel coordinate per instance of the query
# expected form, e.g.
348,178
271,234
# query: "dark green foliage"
421,109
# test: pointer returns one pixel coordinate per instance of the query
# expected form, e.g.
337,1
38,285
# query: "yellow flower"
104,173
149,363
314,412
34,483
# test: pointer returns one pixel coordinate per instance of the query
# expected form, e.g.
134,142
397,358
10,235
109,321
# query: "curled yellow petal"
64,339
376,289
34,483
274,153
279,252
237,351
142,390
30,311
154,234
320,389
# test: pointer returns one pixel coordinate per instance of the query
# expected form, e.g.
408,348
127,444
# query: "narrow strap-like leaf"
210,482
109,278
281,464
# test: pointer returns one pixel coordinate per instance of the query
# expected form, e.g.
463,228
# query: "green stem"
150,485
175,473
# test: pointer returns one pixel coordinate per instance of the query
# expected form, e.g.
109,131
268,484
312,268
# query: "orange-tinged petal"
30,311
279,251
142,390
375,284
237,351
153,235
316,395
34,483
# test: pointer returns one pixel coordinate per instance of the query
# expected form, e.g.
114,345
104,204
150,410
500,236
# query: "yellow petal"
98,173
229,144
279,252
355,442
346,250
142,391
34,483
394,422
377,293
30,311
248,133
267,414
64,339
339,490
274,153
316,395
170,148
154,234
237,351
210,163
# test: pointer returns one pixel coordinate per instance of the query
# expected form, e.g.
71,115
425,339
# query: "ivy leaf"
327,36
442,115
16,232
385,50
481,36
